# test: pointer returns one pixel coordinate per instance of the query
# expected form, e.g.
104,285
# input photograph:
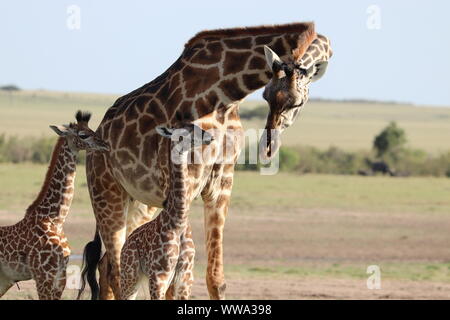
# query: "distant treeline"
260,112
408,162
388,155
300,159
360,101
9,87
28,149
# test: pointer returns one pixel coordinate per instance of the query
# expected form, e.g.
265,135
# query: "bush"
247,166
312,160
390,139
300,159
29,149
10,87
289,159
257,113
41,150
17,150
342,162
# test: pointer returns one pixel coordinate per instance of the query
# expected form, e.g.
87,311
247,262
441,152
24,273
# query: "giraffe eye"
303,72
83,136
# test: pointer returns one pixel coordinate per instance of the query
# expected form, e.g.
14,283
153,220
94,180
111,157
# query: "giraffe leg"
137,215
215,212
157,289
46,288
184,277
113,242
170,293
49,284
59,284
130,269
49,271
106,292
161,278
110,204
60,280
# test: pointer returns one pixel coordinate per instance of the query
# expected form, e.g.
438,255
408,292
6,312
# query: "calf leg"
130,271
157,289
184,277
50,276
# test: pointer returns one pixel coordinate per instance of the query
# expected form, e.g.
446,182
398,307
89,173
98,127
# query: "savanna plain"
287,236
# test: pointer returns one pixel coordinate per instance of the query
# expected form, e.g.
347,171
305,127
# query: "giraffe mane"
48,176
83,116
303,42
306,29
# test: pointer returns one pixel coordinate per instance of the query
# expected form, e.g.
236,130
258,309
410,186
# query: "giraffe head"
186,137
79,135
288,90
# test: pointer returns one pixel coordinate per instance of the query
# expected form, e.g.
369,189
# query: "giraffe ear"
61,131
164,131
319,70
273,60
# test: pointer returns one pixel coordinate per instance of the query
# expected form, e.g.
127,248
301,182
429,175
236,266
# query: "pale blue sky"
124,44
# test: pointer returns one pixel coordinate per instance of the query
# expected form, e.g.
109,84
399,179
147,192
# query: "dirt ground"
312,254
292,289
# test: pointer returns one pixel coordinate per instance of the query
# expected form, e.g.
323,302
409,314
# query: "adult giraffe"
215,72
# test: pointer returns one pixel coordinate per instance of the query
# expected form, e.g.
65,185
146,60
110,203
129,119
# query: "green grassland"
424,195
290,228
349,125
285,230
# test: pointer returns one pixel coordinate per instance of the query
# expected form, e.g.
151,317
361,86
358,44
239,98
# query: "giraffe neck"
213,73
319,50
55,198
177,207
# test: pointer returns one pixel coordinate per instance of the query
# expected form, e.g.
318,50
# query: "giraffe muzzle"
269,144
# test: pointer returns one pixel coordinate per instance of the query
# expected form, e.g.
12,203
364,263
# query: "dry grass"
298,237
350,126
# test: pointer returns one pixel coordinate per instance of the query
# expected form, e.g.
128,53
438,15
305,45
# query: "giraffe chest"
14,257
22,246
162,254
16,267
145,174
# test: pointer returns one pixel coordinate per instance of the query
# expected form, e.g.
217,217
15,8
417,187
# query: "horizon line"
311,99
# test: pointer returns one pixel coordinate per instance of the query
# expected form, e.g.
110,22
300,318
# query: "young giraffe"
36,247
215,72
163,250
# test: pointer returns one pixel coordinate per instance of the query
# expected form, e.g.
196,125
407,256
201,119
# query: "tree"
389,140
10,87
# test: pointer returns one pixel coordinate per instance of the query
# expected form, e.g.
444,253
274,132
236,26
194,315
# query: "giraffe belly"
152,197
148,182
153,194
156,199
144,183
16,270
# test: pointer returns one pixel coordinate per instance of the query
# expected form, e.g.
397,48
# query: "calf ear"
320,69
61,131
164,131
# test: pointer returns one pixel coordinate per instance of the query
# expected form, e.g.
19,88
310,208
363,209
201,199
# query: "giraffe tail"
91,257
